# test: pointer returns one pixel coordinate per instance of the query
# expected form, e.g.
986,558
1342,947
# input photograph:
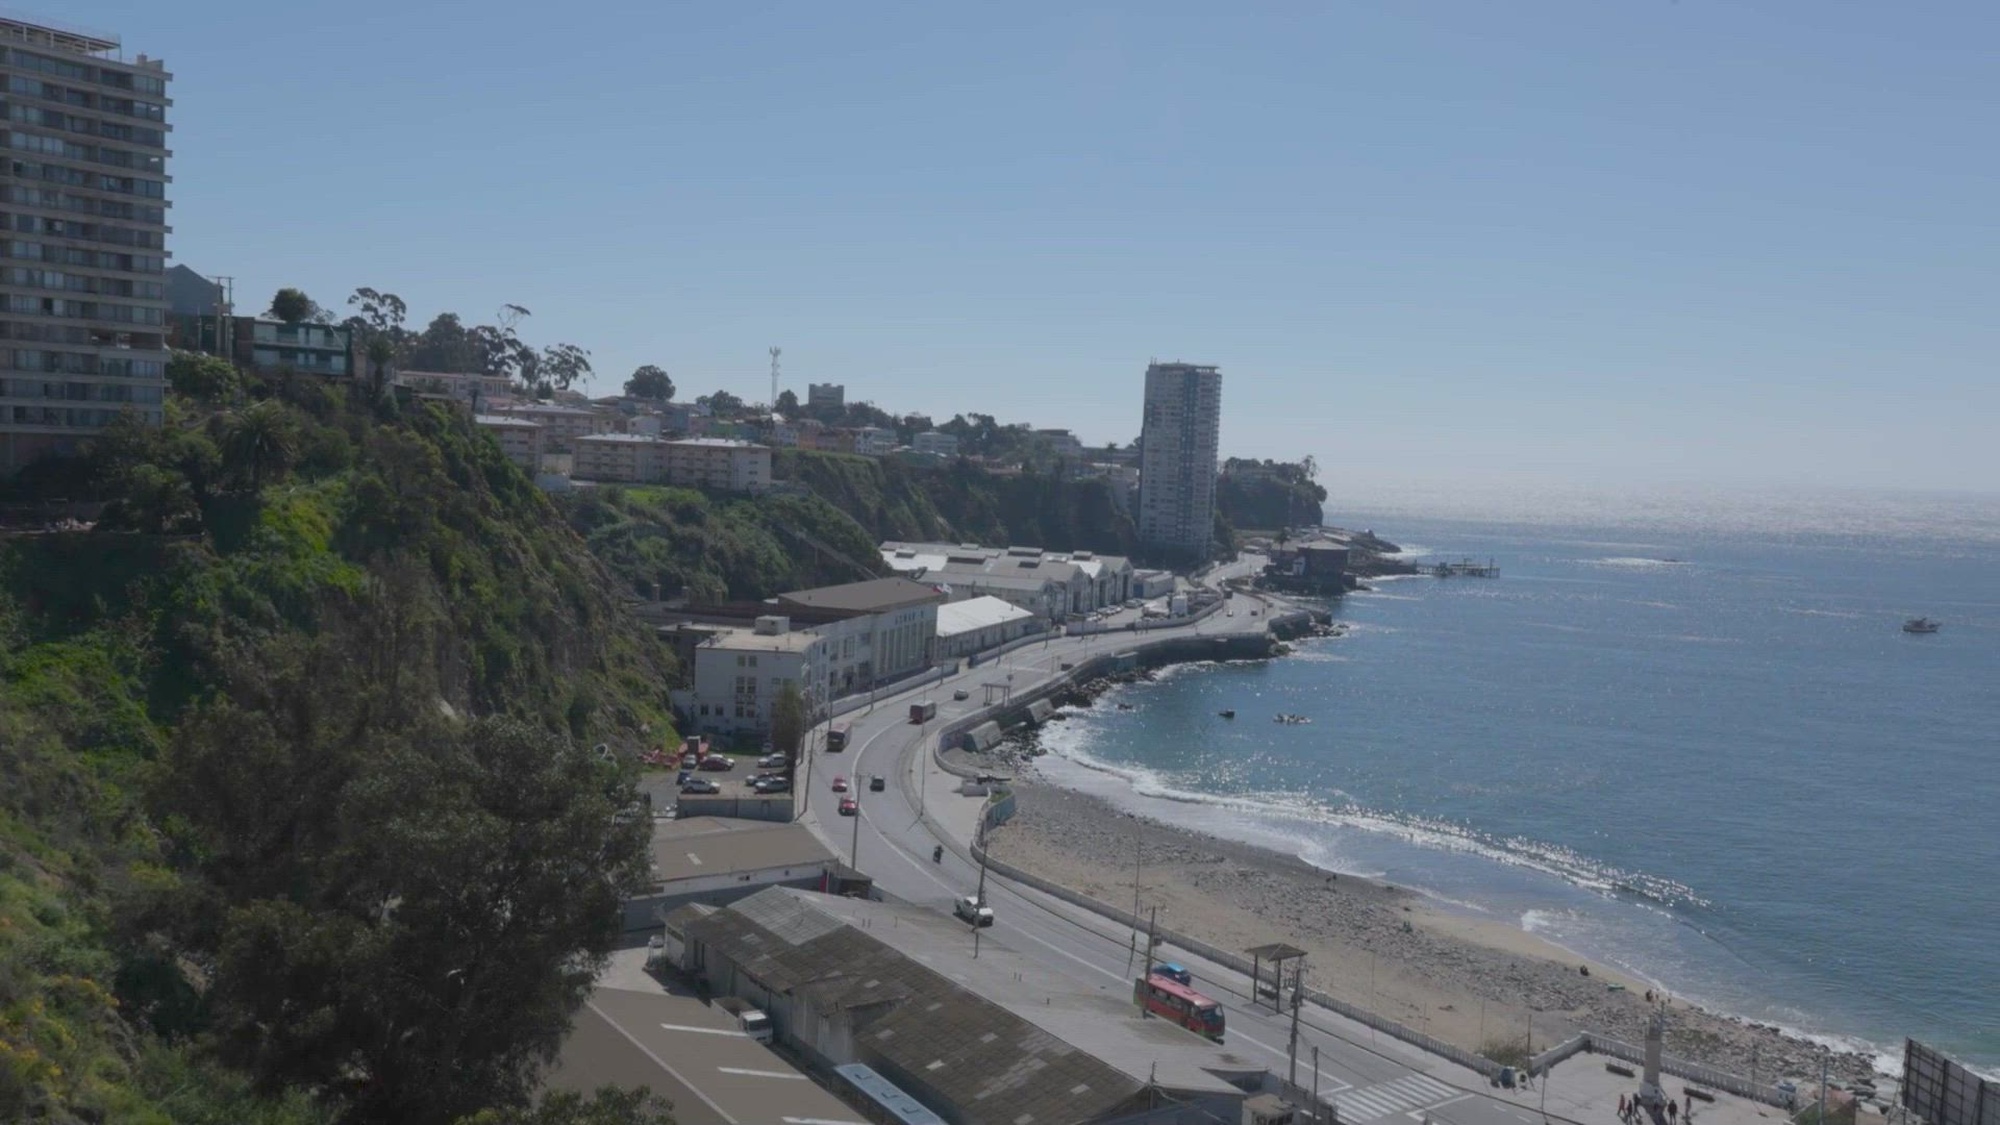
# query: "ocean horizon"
1682,733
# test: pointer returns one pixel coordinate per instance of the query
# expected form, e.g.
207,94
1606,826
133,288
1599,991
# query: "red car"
848,807
718,762
839,784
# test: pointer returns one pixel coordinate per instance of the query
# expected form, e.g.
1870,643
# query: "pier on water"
1463,568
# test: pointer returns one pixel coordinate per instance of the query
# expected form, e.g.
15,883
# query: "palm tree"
259,442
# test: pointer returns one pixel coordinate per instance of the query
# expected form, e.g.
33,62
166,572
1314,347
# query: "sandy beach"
1482,985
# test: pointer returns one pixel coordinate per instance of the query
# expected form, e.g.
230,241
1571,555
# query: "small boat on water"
1290,720
1229,714
1921,625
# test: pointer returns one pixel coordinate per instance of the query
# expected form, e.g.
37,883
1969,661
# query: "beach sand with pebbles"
1481,984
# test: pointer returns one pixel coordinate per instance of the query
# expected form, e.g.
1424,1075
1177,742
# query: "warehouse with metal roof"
1001,1039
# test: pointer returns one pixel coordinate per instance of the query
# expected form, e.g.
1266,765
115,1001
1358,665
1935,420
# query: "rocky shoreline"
1484,985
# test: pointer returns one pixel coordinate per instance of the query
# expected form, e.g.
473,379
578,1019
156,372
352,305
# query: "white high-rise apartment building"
83,188
1178,441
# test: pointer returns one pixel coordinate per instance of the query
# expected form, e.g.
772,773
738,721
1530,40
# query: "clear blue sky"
1610,241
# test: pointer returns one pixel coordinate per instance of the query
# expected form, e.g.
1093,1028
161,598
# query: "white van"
749,1019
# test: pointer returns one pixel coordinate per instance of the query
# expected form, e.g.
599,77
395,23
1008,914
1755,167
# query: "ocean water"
1684,735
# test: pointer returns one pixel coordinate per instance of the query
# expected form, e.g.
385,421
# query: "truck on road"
749,1018
923,711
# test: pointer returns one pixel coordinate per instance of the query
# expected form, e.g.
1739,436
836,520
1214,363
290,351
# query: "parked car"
970,909
839,784
848,807
772,785
718,762
876,784
771,762
700,785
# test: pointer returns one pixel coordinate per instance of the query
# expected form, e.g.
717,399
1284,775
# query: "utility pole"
1316,1101
1152,940
1298,1000
854,852
1138,860
1542,1080
979,896
1825,1054
979,838
774,379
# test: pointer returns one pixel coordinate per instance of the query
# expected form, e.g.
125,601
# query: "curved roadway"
1370,1076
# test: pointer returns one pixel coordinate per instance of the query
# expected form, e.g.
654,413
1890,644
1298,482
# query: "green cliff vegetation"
303,811
825,524
1269,495
964,503
713,547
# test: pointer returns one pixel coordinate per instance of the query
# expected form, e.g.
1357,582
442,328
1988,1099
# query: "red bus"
1171,1000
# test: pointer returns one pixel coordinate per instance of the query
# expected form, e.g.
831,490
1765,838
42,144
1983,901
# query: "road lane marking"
662,1063
703,1030
1422,1113
761,1073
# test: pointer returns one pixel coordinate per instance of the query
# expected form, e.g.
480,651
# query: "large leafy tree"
722,402
293,306
501,350
203,378
378,321
650,382
445,344
402,908
564,365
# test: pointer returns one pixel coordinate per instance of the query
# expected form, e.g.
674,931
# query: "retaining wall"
1698,1073
988,655
740,808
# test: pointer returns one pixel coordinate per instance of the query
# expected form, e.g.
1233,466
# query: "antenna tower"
774,378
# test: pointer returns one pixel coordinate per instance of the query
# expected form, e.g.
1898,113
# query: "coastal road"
1370,1077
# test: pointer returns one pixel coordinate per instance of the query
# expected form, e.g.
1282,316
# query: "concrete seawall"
1150,653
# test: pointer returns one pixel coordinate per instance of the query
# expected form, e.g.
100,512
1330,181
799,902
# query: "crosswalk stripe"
1381,1100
